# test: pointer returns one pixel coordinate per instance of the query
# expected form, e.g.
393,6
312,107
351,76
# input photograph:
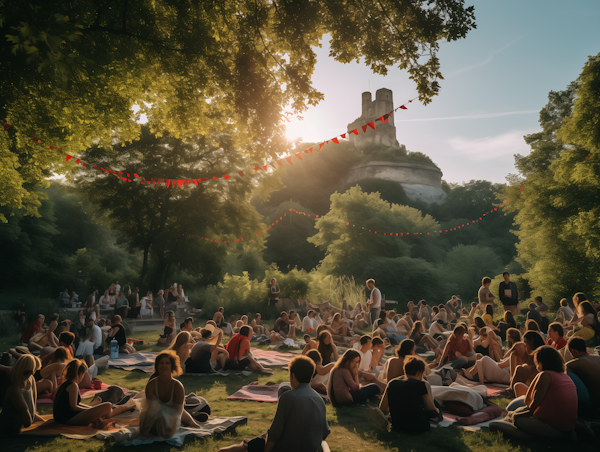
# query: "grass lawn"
351,429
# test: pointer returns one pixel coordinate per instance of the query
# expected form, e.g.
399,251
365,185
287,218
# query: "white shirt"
118,289
307,323
143,302
96,336
375,294
365,360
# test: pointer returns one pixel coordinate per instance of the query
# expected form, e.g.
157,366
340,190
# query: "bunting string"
134,177
366,229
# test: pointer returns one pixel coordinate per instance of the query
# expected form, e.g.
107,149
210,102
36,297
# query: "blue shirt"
300,422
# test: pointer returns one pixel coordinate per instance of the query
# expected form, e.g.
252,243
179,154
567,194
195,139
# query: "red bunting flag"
6,126
372,125
241,173
69,157
180,182
321,146
343,135
299,155
226,176
364,128
355,131
335,140
168,182
264,167
403,107
289,159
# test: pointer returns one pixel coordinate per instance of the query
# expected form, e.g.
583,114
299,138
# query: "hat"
208,327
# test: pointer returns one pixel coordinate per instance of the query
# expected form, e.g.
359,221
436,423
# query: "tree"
351,247
72,71
558,197
176,226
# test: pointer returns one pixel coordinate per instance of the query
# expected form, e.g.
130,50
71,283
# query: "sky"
496,81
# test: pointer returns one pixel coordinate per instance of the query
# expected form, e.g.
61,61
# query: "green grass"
351,429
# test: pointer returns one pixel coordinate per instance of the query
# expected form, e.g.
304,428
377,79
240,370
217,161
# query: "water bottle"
114,349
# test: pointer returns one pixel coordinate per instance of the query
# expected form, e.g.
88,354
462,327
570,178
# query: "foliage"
399,155
192,67
557,198
169,224
465,266
390,191
335,289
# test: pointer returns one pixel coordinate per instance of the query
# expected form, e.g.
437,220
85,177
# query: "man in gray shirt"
300,422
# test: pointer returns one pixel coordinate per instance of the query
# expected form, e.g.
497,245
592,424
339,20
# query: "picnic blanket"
50,428
488,390
271,358
256,393
127,434
478,420
85,393
140,361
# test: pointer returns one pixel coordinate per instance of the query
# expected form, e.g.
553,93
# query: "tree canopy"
557,199
73,70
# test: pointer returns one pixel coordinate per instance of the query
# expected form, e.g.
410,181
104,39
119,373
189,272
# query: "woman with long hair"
162,412
394,366
587,318
421,338
507,322
321,375
182,345
344,388
19,407
68,408
522,375
168,329
338,326
550,410
327,348
117,332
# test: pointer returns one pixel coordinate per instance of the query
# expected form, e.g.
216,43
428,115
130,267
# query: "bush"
8,327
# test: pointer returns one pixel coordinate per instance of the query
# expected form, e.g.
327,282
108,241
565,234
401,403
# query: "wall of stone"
404,173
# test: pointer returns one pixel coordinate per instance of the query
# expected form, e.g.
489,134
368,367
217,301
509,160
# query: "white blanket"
458,394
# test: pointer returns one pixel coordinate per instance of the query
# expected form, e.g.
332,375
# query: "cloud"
480,116
489,58
492,147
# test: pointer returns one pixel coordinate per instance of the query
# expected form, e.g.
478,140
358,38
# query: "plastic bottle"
114,349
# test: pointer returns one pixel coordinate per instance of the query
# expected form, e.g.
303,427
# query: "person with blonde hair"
182,345
68,408
162,412
19,407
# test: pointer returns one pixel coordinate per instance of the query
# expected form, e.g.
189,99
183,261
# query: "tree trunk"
145,265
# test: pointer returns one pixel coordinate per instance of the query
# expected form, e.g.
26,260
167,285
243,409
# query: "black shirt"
405,399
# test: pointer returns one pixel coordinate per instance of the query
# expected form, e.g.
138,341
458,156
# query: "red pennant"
310,149
135,175
321,146
168,182
69,157
355,131
128,175
264,167
241,173
226,176
159,182
364,128
51,148
215,178
187,182
6,126
343,135
335,140
290,209
403,107
79,160
372,125
84,164
299,155
289,159
256,169
195,181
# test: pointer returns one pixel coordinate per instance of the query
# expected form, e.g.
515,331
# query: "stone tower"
385,133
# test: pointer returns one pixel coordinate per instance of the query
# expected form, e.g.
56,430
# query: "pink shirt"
559,407
341,383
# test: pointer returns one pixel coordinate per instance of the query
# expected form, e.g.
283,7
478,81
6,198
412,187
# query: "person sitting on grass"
522,375
121,306
161,411
586,366
344,387
300,422
555,336
33,328
283,328
309,322
394,366
311,344
238,349
550,410
68,408
182,345
168,333
19,405
93,344
204,356
46,337
118,333
587,318
326,347
409,401
321,375
256,326
565,313
458,350
421,338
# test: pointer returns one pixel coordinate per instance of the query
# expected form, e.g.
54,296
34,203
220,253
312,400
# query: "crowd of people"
551,376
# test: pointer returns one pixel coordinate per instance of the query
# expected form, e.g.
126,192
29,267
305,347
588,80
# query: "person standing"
273,293
509,295
374,303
